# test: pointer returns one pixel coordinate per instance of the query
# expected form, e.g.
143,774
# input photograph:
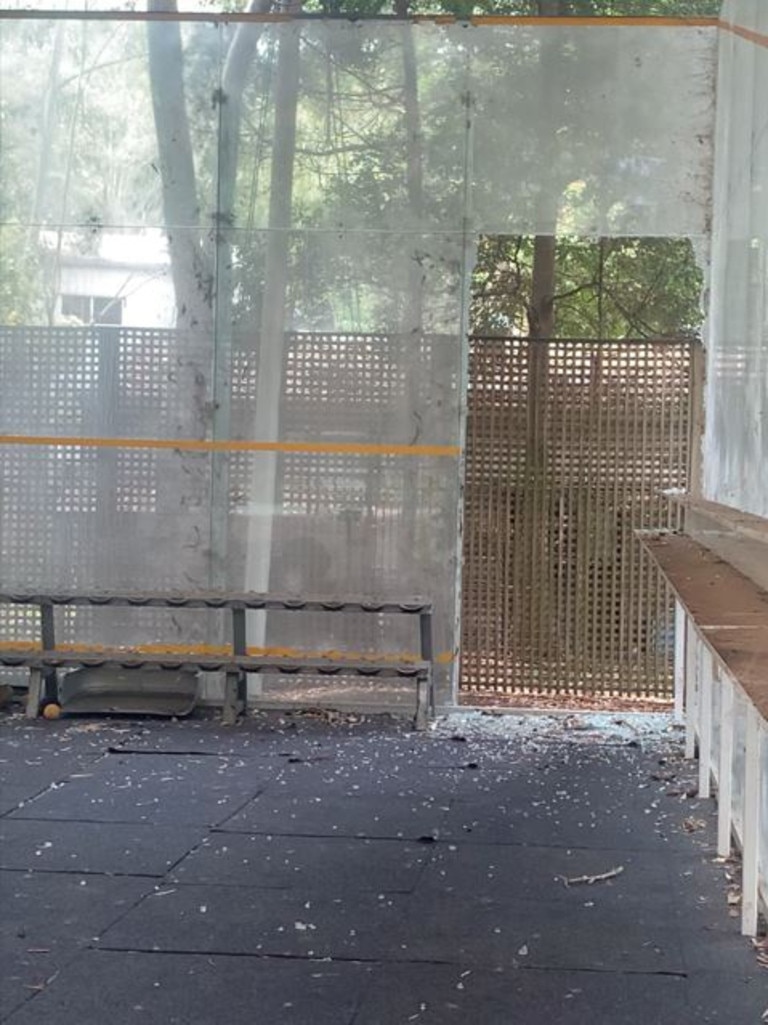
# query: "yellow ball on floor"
52,711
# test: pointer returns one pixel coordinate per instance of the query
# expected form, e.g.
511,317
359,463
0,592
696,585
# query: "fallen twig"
602,877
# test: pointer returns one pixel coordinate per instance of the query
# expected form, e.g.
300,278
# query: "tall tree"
190,268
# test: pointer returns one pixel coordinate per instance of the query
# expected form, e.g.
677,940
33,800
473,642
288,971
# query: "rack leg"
423,702
233,698
35,693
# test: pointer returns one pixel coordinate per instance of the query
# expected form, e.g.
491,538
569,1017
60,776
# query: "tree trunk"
541,323
413,319
414,171
269,389
237,64
184,482
48,129
190,270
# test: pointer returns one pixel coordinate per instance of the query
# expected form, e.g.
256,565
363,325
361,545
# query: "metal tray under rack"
114,691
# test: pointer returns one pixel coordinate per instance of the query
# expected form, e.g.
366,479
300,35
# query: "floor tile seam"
240,808
164,824
143,824
276,834
178,753
447,841
192,850
124,912
388,961
38,871
25,800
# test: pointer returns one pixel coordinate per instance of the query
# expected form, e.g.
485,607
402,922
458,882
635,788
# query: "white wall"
146,295
735,454
736,440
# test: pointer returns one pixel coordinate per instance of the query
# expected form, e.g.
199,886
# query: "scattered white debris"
644,729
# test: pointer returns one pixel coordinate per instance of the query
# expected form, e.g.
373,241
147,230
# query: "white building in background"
112,278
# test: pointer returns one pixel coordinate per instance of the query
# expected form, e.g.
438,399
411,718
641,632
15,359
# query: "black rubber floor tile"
26,743
35,768
46,918
313,864
712,944
441,995
348,769
566,822
719,998
414,751
466,781
588,791
239,920
119,849
506,933
202,737
498,872
167,989
509,819
375,816
262,733
151,788
332,777
34,775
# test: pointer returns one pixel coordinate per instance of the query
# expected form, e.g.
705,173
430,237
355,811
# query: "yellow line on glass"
759,38
194,445
222,651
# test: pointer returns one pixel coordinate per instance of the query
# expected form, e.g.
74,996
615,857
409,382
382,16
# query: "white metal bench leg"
749,881
725,770
705,724
680,629
691,691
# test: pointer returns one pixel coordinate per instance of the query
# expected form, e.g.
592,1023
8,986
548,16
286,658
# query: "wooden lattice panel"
569,444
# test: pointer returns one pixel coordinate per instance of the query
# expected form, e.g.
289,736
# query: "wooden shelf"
745,524
729,610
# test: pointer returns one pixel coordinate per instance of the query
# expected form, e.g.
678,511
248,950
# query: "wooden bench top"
730,611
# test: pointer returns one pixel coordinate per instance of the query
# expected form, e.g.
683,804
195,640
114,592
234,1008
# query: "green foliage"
352,155
613,288
528,8
19,278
